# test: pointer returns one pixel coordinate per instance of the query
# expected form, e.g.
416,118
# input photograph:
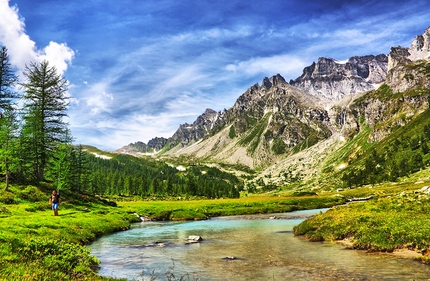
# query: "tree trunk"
6,187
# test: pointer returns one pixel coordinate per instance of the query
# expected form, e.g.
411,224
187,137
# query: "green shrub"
4,210
7,198
33,194
232,132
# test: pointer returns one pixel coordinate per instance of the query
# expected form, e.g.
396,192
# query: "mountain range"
289,130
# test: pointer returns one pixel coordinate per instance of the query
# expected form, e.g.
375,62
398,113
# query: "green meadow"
34,243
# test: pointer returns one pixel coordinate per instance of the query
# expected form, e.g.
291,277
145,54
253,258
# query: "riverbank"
395,223
33,242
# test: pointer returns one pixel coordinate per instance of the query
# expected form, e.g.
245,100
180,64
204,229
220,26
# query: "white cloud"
98,99
58,55
21,49
286,65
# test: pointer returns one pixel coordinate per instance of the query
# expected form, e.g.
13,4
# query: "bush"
7,198
72,259
4,210
33,194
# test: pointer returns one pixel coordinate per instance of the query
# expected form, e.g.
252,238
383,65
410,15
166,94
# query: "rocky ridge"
289,129
331,80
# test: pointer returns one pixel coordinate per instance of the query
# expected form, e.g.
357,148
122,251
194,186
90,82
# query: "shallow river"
260,247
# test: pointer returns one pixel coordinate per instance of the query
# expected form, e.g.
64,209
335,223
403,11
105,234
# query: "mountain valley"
305,133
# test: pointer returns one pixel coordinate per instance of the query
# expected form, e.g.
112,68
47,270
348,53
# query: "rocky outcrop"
138,148
265,122
190,133
398,56
331,80
409,68
420,47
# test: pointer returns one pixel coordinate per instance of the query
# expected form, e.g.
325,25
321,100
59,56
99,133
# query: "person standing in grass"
55,200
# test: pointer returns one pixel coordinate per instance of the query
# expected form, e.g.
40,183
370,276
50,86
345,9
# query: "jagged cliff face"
408,68
293,113
331,80
420,47
264,124
190,133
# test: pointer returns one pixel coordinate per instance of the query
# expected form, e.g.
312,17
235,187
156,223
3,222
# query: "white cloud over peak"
21,49
283,64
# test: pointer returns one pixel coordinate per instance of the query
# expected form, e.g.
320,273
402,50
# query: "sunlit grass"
34,242
396,218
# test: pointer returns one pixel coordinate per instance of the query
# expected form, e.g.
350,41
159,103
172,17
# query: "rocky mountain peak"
420,47
331,80
398,55
190,133
273,81
266,83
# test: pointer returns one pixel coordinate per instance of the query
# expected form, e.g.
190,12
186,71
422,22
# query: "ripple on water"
263,248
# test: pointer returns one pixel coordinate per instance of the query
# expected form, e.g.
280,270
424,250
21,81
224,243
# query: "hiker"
55,200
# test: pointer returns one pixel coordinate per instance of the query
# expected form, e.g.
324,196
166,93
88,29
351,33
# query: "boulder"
194,238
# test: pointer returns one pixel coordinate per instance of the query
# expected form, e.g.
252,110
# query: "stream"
250,247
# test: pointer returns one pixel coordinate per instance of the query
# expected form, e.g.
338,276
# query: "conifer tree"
8,80
8,119
8,137
44,109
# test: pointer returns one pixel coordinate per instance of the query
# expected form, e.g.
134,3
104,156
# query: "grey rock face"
331,80
405,65
420,47
189,133
154,145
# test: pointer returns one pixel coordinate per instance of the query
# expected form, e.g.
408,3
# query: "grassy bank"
204,209
388,222
35,245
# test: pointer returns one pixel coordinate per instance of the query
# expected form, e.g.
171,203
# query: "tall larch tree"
8,142
45,106
8,120
8,80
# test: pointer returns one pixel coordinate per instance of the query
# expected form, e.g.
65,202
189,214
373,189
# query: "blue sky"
140,68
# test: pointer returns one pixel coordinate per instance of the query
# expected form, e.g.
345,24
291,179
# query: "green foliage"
33,194
232,132
7,198
145,177
35,245
68,258
253,136
8,80
279,146
378,225
8,116
44,109
402,153
304,193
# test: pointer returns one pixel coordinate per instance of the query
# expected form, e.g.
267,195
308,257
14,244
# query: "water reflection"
263,247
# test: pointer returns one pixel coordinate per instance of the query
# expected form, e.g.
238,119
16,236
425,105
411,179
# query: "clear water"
263,247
